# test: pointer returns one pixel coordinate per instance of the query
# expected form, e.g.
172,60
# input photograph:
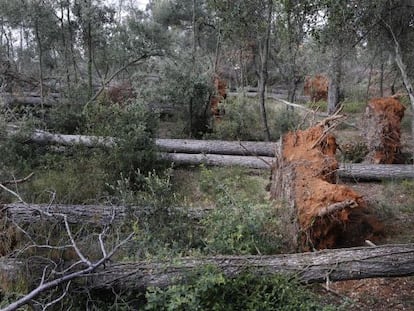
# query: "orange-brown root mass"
316,87
382,130
328,215
220,86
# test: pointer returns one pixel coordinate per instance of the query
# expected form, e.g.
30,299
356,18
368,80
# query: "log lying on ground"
164,145
260,162
349,171
10,100
335,265
375,172
249,148
224,153
86,214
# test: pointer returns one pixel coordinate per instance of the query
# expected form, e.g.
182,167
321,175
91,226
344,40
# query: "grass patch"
354,107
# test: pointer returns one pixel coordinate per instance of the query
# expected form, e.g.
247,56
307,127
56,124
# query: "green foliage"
211,290
66,119
77,180
238,224
320,105
242,120
354,107
190,93
163,228
17,154
133,127
354,152
284,120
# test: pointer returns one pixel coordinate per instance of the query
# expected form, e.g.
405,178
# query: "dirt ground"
394,204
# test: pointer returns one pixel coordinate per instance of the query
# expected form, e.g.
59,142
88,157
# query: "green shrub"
211,290
134,128
66,118
353,152
189,91
284,120
79,179
354,107
238,224
17,153
164,228
242,120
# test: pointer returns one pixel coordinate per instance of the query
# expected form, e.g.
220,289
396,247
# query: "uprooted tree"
324,214
382,130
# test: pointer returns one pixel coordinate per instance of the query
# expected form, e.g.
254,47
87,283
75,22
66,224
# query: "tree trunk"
334,81
40,47
264,58
11,101
242,148
403,69
95,215
313,267
375,172
261,162
165,145
226,153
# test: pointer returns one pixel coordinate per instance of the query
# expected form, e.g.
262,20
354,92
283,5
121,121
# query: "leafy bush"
164,228
242,120
133,127
66,119
237,225
190,93
353,152
214,291
17,154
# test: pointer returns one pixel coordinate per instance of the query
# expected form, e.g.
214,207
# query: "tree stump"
382,130
328,215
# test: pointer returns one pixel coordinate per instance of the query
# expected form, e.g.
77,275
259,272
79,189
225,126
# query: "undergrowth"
214,291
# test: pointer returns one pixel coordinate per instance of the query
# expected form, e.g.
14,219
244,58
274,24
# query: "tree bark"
165,145
260,162
11,101
242,148
264,58
226,153
95,215
375,172
334,80
311,267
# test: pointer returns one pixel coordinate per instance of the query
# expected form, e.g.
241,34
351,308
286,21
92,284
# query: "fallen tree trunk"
11,101
217,147
224,153
372,172
218,160
332,265
375,172
85,214
165,145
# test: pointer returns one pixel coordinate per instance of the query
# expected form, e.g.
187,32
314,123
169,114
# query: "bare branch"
17,181
49,304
